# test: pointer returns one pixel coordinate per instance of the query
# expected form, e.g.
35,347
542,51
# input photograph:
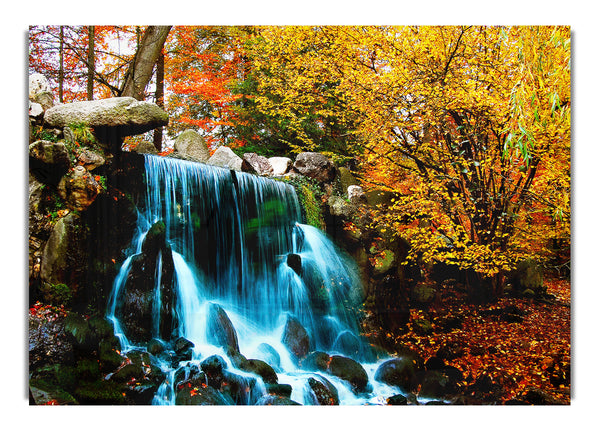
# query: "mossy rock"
43,393
100,392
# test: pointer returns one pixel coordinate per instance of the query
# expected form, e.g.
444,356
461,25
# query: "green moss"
56,294
309,195
99,392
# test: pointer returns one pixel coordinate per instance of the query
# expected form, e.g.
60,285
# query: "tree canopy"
467,126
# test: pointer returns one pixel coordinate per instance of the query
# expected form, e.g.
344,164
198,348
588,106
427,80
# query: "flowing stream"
237,241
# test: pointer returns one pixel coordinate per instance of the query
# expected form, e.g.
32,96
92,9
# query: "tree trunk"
91,61
61,70
160,93
140,71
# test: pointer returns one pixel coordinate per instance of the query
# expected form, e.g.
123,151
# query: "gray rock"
145,147
37,84
125,116
60,252
346,178
191,144
78,189
316,166
295,338
45,99
280,165
89,159
224,157
220,330
48,161
259,165
356,195
35,110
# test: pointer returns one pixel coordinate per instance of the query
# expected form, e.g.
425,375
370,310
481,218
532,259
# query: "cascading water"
233,247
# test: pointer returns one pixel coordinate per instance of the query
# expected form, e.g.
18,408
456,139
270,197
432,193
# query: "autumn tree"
202,67
72,60
469,127
141,68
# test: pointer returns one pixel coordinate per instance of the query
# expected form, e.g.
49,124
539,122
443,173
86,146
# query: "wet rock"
316,166
240,389
259,165
191,144
224,157
267,353
261,368
201,396
347,344
397,400
295,338
220,330
294,261
349,370
316,361
279,389
402,372
136,307
213,367
183,349
274,400
438,384
323,392
48,341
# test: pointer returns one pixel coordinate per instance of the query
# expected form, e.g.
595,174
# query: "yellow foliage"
469,126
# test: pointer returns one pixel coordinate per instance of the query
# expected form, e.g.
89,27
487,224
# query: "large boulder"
316,166
295,338
224,157
201,396
322,392
280,165
48,161
191,144
64,256
275,400
136,308
220,330
403,372
349,370
48,341
111,119
78,189
38,84
256,164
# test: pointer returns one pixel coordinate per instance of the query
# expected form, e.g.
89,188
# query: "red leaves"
535,352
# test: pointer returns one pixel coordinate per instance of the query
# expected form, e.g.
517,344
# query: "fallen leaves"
518,355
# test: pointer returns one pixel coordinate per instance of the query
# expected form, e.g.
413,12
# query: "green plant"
56,294
41,134
82,133
309,195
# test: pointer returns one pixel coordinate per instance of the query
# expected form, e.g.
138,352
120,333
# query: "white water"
230,236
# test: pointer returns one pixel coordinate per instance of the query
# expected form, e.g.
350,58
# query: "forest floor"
519,343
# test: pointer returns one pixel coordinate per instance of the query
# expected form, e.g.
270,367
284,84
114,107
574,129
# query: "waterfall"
220,241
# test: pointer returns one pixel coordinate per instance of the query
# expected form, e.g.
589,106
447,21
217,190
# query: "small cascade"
222,260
